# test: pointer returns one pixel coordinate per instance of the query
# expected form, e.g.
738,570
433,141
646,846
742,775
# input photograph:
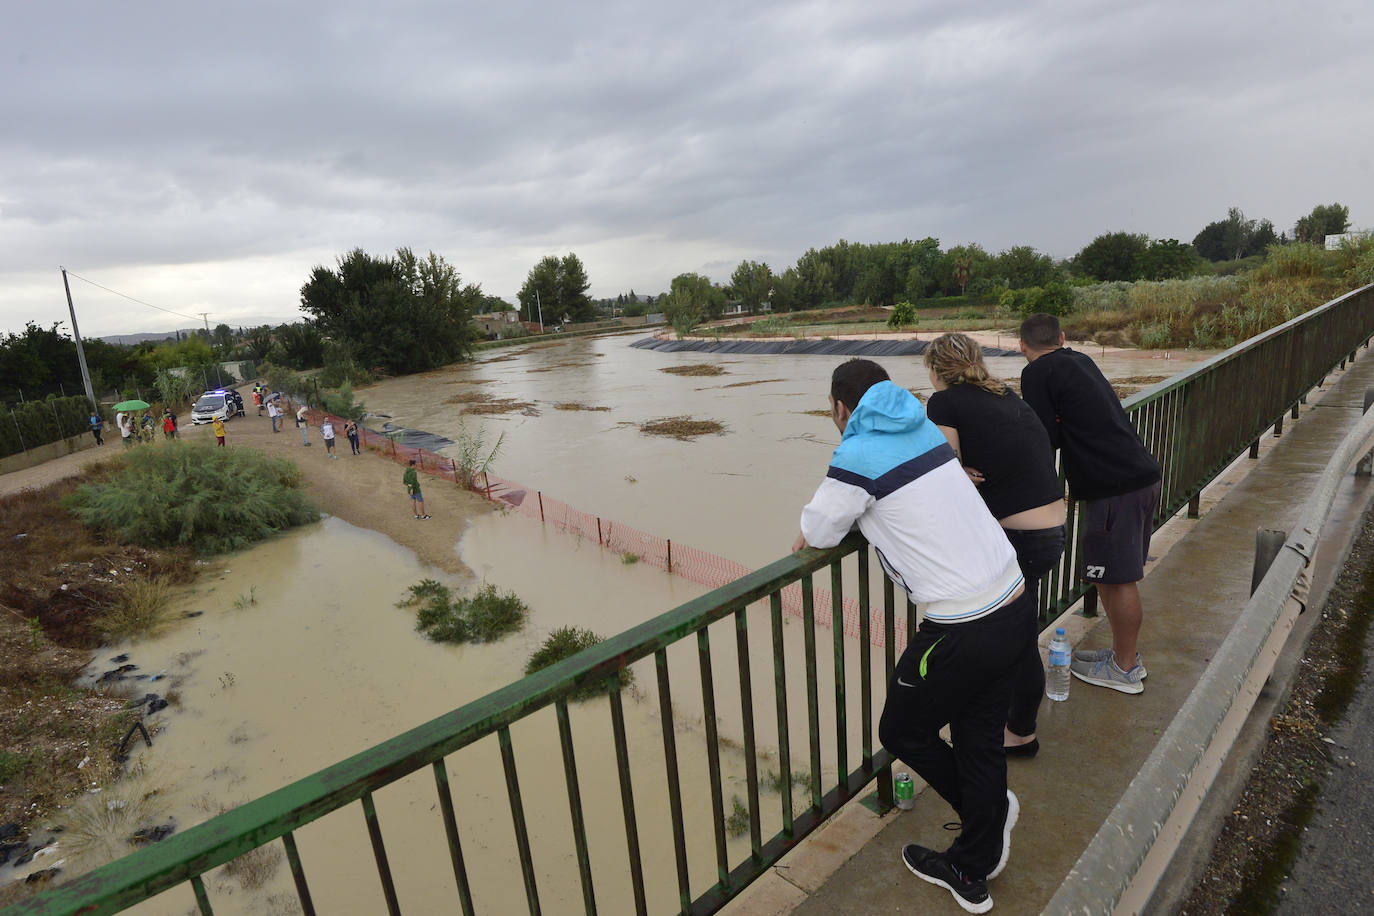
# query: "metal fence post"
541,506
1365,465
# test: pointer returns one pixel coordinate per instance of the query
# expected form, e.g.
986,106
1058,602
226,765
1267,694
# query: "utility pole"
541,311
80,353
205,316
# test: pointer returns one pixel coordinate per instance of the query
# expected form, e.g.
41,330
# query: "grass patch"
629,559
737,822
255,867
576,405
485,616
565,642
816,413
684,428
12,766
762,381
498,406
141,609
211,500
698,369
775,781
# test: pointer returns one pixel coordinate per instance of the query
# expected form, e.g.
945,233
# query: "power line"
131,298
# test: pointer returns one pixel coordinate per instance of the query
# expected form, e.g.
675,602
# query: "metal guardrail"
1199,421
1194,422
1101,876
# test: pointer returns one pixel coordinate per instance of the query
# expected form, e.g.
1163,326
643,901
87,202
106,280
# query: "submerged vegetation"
211,500
565,642
684,428
485,616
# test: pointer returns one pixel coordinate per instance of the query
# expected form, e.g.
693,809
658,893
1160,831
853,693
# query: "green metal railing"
1199,421
1196,423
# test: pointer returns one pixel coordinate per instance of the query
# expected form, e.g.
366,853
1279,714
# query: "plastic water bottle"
1057,678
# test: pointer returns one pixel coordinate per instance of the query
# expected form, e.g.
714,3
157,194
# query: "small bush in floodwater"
629,559
565,642
212,500
485,616
737,823
142,605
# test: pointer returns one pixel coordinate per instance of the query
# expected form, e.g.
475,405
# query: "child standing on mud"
217,424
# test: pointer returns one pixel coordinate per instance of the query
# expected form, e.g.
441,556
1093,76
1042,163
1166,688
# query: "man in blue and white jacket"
896,478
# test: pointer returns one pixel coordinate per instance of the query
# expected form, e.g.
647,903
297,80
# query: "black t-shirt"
1103,455
1000,436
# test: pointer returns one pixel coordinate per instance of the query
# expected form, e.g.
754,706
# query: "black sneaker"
933,867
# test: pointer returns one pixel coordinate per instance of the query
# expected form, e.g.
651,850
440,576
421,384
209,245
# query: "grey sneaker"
1106,673
1096,655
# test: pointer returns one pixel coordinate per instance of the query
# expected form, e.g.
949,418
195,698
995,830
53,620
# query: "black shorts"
1116,535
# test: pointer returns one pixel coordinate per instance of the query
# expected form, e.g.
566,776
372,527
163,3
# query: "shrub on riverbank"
211,500
485,616
565,642
1213,312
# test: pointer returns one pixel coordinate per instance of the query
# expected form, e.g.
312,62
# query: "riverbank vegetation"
210,500
63,594
484,616
565,642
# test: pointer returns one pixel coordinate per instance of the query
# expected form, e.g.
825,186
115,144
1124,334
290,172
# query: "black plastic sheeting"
414,438
802,347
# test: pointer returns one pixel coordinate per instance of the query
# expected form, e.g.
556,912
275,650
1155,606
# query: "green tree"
1165,259
959,266
302,345
786,297
751,284
557,287
692,297
1021,267
222,338
1113,256
1324,220
403,314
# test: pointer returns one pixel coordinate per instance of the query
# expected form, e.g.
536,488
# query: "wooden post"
1295,412
1195,505
670,554
1254,449
1278,426
455,471
541,506
599,539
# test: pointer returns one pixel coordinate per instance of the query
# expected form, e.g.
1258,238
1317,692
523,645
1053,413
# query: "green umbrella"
132,405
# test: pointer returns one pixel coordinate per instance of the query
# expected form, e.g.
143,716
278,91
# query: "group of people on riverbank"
963,505
135,428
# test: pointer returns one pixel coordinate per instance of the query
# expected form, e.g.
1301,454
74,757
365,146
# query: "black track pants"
961,675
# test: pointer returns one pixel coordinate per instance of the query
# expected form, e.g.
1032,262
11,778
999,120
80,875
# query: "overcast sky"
204,157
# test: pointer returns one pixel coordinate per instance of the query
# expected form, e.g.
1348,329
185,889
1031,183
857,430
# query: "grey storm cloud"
657,138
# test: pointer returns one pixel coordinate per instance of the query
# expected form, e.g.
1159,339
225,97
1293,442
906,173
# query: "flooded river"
301,658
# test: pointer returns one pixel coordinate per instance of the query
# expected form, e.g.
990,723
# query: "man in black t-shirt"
1113,473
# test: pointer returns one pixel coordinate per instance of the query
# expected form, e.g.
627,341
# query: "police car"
223,403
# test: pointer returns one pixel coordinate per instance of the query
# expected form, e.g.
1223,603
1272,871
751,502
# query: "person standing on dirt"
412,481
351,431
217,424
1107,467
274,414
327,431
896,478
169,424
126,427
302,424
97,428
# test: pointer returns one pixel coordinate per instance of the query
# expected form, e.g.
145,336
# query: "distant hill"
131,339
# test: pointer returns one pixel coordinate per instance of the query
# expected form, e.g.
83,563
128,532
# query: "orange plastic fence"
679,559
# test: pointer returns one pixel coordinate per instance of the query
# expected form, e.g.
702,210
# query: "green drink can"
904,790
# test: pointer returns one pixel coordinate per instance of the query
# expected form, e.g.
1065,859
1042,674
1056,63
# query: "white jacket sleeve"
832,512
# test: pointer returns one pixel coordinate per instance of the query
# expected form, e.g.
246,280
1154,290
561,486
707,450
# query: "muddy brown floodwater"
301,658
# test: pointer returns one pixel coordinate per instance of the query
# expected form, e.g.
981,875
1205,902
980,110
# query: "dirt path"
365,490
